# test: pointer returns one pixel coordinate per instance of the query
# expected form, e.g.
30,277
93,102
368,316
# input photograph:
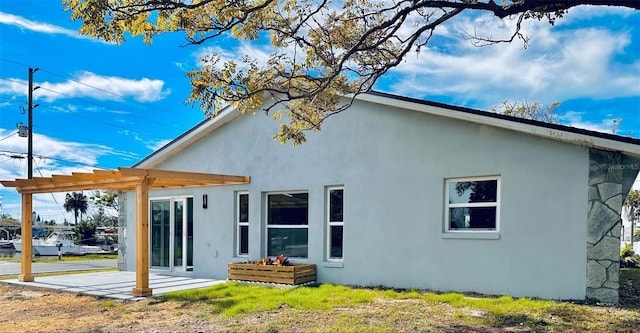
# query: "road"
13,268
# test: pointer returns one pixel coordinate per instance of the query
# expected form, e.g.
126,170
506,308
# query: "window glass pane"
292,242
336,242
474,191
243,214
189,231
288,209
335,205
160,224
244,239
177,233
472,218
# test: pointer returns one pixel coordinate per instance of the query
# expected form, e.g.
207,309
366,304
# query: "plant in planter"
278,261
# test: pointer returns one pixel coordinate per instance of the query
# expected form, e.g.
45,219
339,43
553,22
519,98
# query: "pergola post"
25,256
142,240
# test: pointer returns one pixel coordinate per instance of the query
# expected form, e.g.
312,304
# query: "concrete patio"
116,284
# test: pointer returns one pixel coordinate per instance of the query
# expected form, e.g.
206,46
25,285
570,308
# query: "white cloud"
88,84
258,52
559,64
576,119
57,156
23,23
157,144
580,13
151,144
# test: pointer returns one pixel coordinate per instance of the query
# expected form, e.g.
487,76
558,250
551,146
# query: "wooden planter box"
291,274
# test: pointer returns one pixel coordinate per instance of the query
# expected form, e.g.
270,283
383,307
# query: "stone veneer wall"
603,226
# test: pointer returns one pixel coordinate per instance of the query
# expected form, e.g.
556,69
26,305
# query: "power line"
110,92
14,81
106,123
124,99
74,135
14,155
102,106
15,62
52,195
8,136
135,116
93,87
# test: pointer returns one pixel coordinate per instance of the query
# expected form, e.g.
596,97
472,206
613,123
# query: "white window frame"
240,224
496,204
333,223
277,226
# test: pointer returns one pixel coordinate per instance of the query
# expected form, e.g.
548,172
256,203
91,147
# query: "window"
171,232
335,222
288,224
242,223
472,204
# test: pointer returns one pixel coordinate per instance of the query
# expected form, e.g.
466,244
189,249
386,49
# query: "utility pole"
30,124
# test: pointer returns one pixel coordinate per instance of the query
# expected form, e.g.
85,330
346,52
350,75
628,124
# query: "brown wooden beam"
123,179
25,261
142,240
187,177
125,185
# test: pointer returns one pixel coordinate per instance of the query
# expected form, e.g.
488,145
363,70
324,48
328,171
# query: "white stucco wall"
393,164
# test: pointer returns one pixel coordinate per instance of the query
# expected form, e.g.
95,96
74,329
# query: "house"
402,193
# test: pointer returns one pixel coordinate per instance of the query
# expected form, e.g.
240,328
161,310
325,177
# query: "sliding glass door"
172,234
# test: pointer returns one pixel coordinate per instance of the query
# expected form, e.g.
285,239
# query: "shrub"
85,233
628,257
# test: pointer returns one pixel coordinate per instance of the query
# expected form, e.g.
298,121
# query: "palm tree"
76,202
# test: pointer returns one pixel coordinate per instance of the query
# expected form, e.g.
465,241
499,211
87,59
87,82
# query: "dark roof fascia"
488,114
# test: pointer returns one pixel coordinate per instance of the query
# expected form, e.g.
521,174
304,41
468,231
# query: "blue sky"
104,106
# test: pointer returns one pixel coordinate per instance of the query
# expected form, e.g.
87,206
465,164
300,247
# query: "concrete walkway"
115,284
13,268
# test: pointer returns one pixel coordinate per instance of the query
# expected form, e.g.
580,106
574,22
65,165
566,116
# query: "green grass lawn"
318,303
335,308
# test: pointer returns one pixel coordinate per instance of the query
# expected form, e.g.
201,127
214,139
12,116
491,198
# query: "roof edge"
577,136
557,132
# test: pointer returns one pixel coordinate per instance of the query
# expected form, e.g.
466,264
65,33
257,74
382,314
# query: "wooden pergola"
125,179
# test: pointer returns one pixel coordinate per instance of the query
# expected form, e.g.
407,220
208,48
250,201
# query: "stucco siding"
393,165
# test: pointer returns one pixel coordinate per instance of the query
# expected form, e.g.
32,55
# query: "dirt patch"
25,309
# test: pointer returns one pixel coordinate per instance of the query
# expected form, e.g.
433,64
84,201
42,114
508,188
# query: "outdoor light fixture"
205,201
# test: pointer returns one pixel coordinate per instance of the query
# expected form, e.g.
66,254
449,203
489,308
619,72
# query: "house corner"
609,174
